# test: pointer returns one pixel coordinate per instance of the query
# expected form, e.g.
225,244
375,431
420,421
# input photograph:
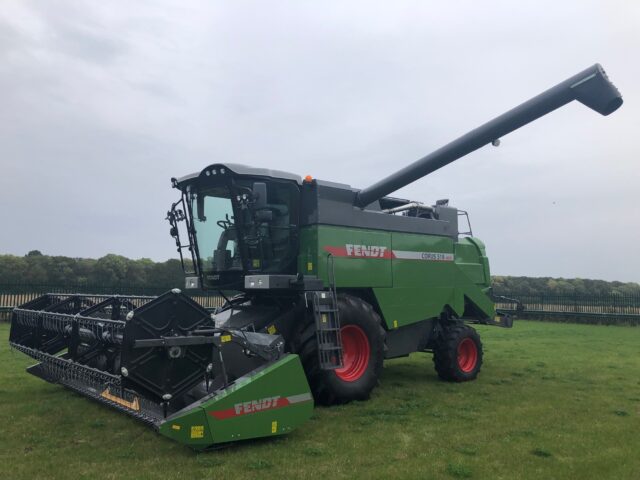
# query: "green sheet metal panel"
189,427
472,260
423,279
358,257
271,401
413,276
274,401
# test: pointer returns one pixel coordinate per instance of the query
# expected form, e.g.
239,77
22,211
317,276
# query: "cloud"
102,105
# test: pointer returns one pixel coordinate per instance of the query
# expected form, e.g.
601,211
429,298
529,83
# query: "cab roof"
239,169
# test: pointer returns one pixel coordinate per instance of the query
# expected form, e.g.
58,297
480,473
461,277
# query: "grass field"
552,401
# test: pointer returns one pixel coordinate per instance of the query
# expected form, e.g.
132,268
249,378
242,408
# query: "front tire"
458,354
363,354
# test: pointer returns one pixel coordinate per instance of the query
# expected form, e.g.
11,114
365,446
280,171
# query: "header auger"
322,282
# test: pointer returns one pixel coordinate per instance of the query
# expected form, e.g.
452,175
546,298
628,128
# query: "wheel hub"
467,355
355,353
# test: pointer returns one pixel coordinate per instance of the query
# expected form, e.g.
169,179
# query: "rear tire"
363,352
458,354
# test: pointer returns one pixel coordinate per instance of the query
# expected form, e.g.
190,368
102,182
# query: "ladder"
325,312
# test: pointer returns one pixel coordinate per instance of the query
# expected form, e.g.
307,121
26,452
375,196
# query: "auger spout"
591,87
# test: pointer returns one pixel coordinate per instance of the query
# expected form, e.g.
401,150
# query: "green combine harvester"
328,282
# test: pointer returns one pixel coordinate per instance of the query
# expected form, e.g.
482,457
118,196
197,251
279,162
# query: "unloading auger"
330,281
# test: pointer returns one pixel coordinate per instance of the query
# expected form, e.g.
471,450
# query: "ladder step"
325,311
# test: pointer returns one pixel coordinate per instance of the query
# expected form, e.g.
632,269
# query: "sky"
104,102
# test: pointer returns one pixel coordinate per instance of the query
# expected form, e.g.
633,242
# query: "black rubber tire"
445,353
326,386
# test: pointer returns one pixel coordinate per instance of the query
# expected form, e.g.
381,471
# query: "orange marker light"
308,179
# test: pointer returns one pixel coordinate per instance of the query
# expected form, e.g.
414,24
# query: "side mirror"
259,195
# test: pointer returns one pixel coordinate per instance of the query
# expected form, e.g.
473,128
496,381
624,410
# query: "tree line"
561,286
38,269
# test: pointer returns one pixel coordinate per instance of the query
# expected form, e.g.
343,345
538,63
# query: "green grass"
552,401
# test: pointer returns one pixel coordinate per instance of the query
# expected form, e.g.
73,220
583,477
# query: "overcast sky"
103,102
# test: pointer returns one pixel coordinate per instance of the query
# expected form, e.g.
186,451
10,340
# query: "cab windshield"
215,231
234,234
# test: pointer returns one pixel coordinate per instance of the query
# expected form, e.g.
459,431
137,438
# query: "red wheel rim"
355,353
467,355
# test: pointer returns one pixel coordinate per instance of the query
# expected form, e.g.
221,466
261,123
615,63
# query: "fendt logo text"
260,405
351,250
256,405
374,251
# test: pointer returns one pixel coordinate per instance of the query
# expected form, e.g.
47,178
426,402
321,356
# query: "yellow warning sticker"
395,324
225,338
309,266
175,427
324,318
271,329
256,263
274,426
497,319
197,431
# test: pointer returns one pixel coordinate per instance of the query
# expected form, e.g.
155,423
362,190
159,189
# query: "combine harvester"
330,281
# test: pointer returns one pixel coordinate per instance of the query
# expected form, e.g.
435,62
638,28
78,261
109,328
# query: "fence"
12,295
606,309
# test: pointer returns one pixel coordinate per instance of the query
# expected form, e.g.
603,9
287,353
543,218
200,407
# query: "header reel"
152,358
